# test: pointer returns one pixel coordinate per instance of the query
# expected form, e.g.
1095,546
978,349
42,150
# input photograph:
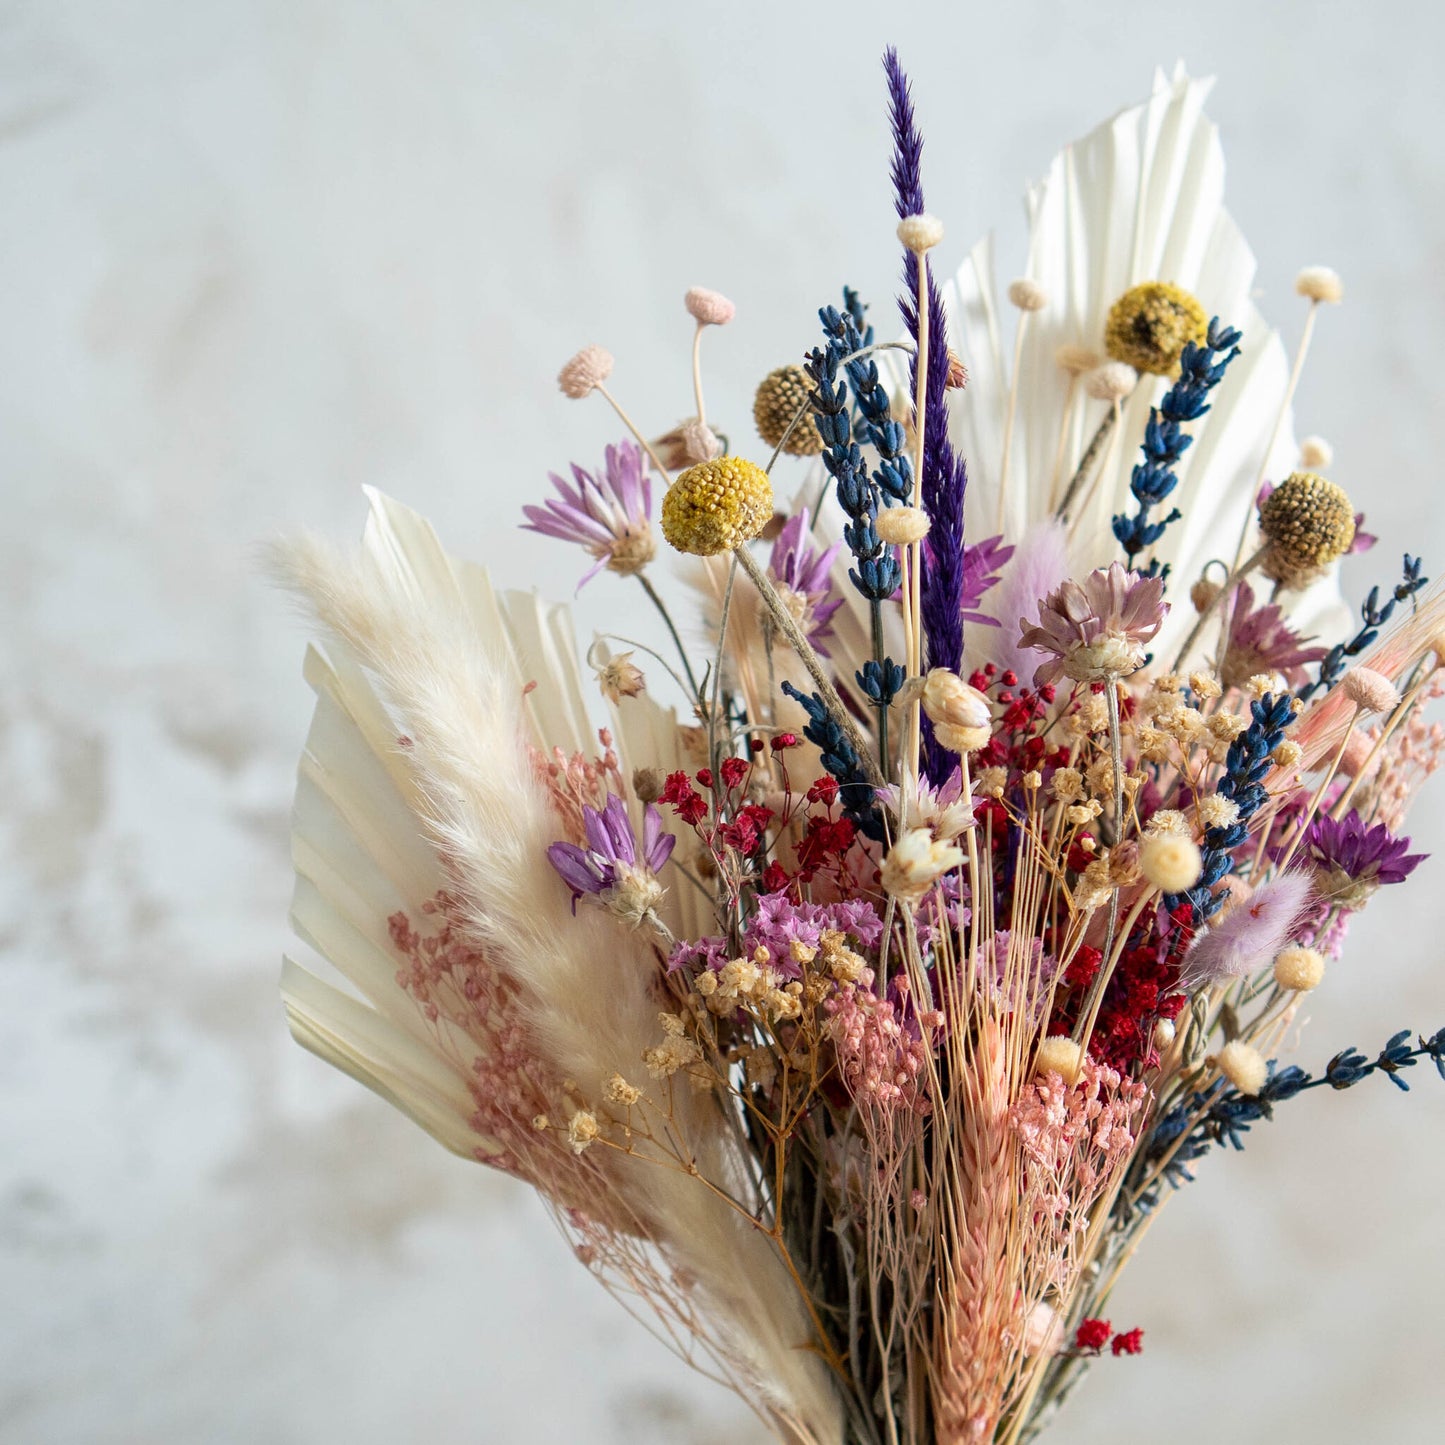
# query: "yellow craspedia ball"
716,506
1150,324
1307,522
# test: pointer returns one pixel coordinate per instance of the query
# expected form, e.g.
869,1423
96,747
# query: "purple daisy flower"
609,518
609,868
1258,639
801,574
1353,859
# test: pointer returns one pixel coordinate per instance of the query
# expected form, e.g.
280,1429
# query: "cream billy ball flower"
916,862
1299,969
1111,382
1027,295
1243,1066
920,233
1170,861
1060,1055
901,526
1320,283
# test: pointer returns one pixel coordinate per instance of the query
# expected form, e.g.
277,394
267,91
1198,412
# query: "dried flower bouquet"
860,1018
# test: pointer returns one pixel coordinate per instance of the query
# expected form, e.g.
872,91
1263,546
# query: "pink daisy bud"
708,308
585,372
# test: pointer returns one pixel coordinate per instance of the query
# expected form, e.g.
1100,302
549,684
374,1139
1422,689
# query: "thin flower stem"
631,426
1230,583
875,608
1081,472
1008,426
1064,420
914,596
1116,431
697,374
810,660
658,603
1274,436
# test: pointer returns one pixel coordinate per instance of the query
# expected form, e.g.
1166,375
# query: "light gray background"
256,254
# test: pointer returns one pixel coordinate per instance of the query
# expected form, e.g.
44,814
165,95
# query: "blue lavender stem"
1165,441
1245,766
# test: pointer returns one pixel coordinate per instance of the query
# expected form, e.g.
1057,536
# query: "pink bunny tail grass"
1039,564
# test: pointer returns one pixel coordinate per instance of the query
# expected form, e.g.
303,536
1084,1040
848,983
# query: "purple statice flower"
1259,639
983,565
608,518
1353,859
802,576
779,922
609,868
1096,628
1249,935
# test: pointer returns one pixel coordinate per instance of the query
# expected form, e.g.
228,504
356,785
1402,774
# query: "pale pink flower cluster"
1416,750
579,781
1073,1140
460,991
880,1057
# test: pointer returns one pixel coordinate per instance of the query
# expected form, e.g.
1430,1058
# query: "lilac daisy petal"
607,518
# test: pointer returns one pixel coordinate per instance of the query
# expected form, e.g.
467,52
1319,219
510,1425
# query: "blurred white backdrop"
259,252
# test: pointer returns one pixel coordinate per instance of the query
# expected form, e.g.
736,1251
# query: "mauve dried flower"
1096,629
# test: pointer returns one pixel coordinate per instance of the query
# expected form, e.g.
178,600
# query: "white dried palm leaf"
1140,198
451,663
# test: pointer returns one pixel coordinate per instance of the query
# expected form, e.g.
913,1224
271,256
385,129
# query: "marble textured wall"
257,254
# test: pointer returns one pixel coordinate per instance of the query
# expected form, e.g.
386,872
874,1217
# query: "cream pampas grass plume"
581,988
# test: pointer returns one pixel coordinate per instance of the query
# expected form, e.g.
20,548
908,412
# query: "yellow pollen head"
780,396
1307,523
1150,324
716,506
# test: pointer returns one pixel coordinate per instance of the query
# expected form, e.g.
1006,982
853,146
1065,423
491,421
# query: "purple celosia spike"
944,479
